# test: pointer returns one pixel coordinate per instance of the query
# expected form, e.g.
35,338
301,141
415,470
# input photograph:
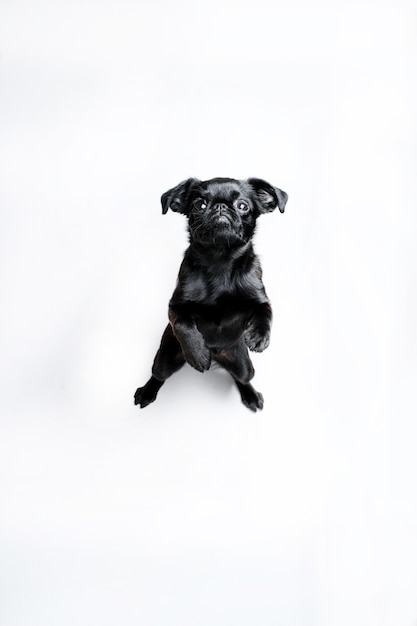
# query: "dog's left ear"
176,198
269,197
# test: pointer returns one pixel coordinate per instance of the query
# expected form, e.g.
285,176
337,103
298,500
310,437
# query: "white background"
196,511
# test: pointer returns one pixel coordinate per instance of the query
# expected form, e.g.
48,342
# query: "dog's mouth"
216,229
223,220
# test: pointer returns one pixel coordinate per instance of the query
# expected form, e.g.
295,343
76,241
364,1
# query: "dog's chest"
223,321
211,289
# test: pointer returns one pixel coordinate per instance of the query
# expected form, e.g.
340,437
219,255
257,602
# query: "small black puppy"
219,308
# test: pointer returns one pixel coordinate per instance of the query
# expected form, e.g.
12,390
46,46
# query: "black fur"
219,307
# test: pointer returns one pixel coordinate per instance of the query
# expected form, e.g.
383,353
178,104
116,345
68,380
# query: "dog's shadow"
216,382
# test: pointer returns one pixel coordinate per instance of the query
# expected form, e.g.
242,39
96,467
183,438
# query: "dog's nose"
220,208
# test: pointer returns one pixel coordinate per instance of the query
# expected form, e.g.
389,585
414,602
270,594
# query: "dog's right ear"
176,198
269,197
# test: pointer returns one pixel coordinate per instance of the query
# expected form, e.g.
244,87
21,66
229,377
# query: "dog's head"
223,211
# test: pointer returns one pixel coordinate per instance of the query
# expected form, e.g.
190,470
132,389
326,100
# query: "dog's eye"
243,207
200,204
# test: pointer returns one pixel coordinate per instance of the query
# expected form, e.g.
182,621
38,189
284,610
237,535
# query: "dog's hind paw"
251,398
147,394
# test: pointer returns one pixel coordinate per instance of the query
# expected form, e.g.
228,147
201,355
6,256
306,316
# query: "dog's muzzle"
221,213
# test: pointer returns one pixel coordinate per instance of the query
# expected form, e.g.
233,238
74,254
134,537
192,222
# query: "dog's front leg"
258,331
191,340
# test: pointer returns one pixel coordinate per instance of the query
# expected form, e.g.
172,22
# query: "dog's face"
223,211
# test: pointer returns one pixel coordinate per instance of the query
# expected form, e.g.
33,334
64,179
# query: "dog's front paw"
257,341
198,356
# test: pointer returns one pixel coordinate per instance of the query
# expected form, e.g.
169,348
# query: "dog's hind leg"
168,360
237,362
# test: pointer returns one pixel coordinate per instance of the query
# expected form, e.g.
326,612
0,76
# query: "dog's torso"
219,296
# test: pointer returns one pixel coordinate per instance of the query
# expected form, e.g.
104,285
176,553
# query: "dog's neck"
208,255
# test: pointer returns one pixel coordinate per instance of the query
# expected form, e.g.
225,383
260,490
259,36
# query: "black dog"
219,308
